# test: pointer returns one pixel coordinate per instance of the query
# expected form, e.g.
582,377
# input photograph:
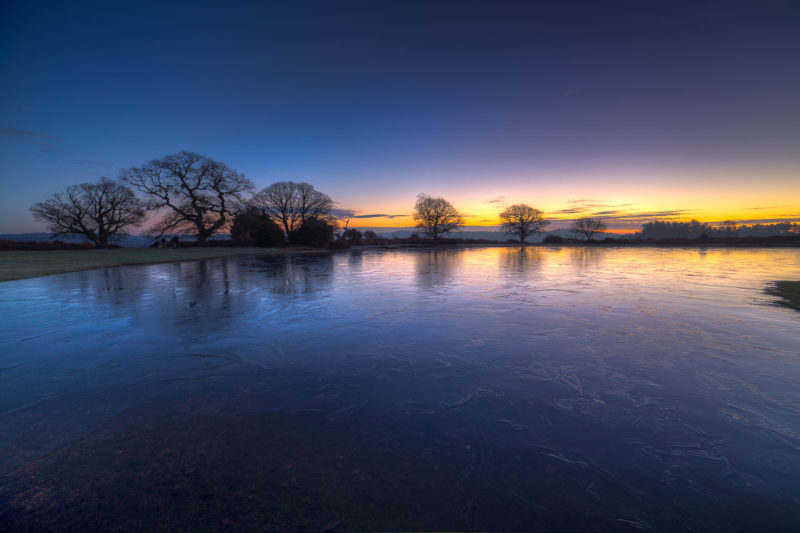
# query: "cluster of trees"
694,229
779,228
436,217
676,230
193,194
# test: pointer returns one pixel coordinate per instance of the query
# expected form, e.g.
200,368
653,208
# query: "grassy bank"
30,264
789,291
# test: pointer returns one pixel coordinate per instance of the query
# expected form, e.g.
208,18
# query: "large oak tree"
436,216
523,221
290,204
100,211
198,194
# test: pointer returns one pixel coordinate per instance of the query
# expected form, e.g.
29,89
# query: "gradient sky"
633,110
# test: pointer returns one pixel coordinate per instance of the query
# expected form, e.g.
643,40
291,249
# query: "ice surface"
497,388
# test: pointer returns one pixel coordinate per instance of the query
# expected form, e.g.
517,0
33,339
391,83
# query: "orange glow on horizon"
623,198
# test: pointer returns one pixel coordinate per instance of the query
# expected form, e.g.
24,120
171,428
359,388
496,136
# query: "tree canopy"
198,194
523,221
436,216
290,204
100,211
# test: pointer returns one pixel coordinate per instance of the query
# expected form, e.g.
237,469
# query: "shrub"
269,234
314,232
245,224
251,226
553,239
353,236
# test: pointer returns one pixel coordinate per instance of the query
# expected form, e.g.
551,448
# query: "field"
31,264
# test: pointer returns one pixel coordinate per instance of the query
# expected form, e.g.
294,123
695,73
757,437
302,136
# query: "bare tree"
588,227
523,221
199,194
100,211
290,204
436,216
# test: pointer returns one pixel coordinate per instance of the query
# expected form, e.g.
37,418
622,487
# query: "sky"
630,111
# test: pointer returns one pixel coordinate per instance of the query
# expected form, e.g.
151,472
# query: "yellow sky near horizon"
624,199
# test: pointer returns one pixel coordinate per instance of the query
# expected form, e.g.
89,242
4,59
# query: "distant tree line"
694,229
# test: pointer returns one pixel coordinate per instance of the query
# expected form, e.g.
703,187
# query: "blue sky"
685,107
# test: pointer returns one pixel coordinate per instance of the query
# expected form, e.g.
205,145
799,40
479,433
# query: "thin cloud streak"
13,132
351,213
496,200
378,215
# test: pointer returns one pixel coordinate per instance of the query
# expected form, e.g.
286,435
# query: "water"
607,389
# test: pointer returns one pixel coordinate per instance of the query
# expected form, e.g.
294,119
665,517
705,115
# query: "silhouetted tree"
250,225
346,219
436,216
99,211
587,227
315,232
290,204
198,193
522,220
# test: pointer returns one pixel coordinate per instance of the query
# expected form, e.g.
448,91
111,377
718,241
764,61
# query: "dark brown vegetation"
252,227
48,245
789,291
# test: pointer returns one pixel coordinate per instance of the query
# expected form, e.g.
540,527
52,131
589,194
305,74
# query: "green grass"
20,264
789,291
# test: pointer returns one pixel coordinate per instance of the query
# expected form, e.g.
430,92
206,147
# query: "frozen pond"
578,388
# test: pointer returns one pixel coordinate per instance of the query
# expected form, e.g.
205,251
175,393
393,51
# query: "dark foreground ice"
495,389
